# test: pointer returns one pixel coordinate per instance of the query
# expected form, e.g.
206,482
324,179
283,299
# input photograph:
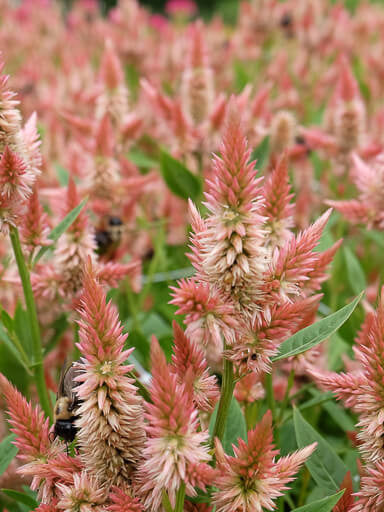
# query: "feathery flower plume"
10,118
282,132
174,443
114,96
197,88
230,247
44,461
14,181
191,368
35,228
261,336
291,263
369,180
277,208
363,390
208,315
122,502
74,246
349,116
84,495
251,480
111,431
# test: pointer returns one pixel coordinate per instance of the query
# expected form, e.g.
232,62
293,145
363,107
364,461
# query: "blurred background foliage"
207,8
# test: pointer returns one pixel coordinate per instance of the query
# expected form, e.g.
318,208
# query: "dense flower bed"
189,212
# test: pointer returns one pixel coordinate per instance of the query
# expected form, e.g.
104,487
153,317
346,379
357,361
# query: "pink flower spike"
191,368
35,227
111,431
174,443
84,494
110,69
277,208
251,480
28,424
15,181
122,502
347,85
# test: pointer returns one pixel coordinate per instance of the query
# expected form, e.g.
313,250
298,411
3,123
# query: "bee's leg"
67,448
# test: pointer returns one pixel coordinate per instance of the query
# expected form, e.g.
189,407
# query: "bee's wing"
61,388
67,382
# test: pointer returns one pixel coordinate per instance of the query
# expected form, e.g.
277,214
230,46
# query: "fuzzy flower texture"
254,286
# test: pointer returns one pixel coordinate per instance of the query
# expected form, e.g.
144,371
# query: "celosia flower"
44,461
14,180
114,96
232,256
10,118
277,208
174,443
349,115
208,316
251,480
288,272
259,338
369,207
362,390
282,132
122,502
111,430
191,368
35,228
197,87
74,246
85,495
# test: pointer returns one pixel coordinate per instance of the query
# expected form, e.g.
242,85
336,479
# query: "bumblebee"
108,237
67,402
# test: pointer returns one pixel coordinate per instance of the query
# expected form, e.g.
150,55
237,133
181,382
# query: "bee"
67,402
287,24
108,236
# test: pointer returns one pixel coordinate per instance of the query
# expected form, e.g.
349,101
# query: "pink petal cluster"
251,480
174,442
111,428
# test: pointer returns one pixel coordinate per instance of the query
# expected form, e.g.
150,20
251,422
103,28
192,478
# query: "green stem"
179,507
158,247
225,401
304,486
251,411
166,503
37,357
271,402
291,380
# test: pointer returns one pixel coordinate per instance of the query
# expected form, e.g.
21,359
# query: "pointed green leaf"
325,466
7,452
316,333
21,497
261,153
235,426
56,232
179,179
141,159
355,273
323,505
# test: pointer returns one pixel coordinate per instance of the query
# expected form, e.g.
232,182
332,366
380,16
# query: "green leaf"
62,175
20,497
325,466
235,426
7,452
141,159
323,505
261,153
355,273
179,179
337,413
316,333
56,232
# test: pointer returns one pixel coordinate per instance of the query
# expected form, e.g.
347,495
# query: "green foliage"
235,426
